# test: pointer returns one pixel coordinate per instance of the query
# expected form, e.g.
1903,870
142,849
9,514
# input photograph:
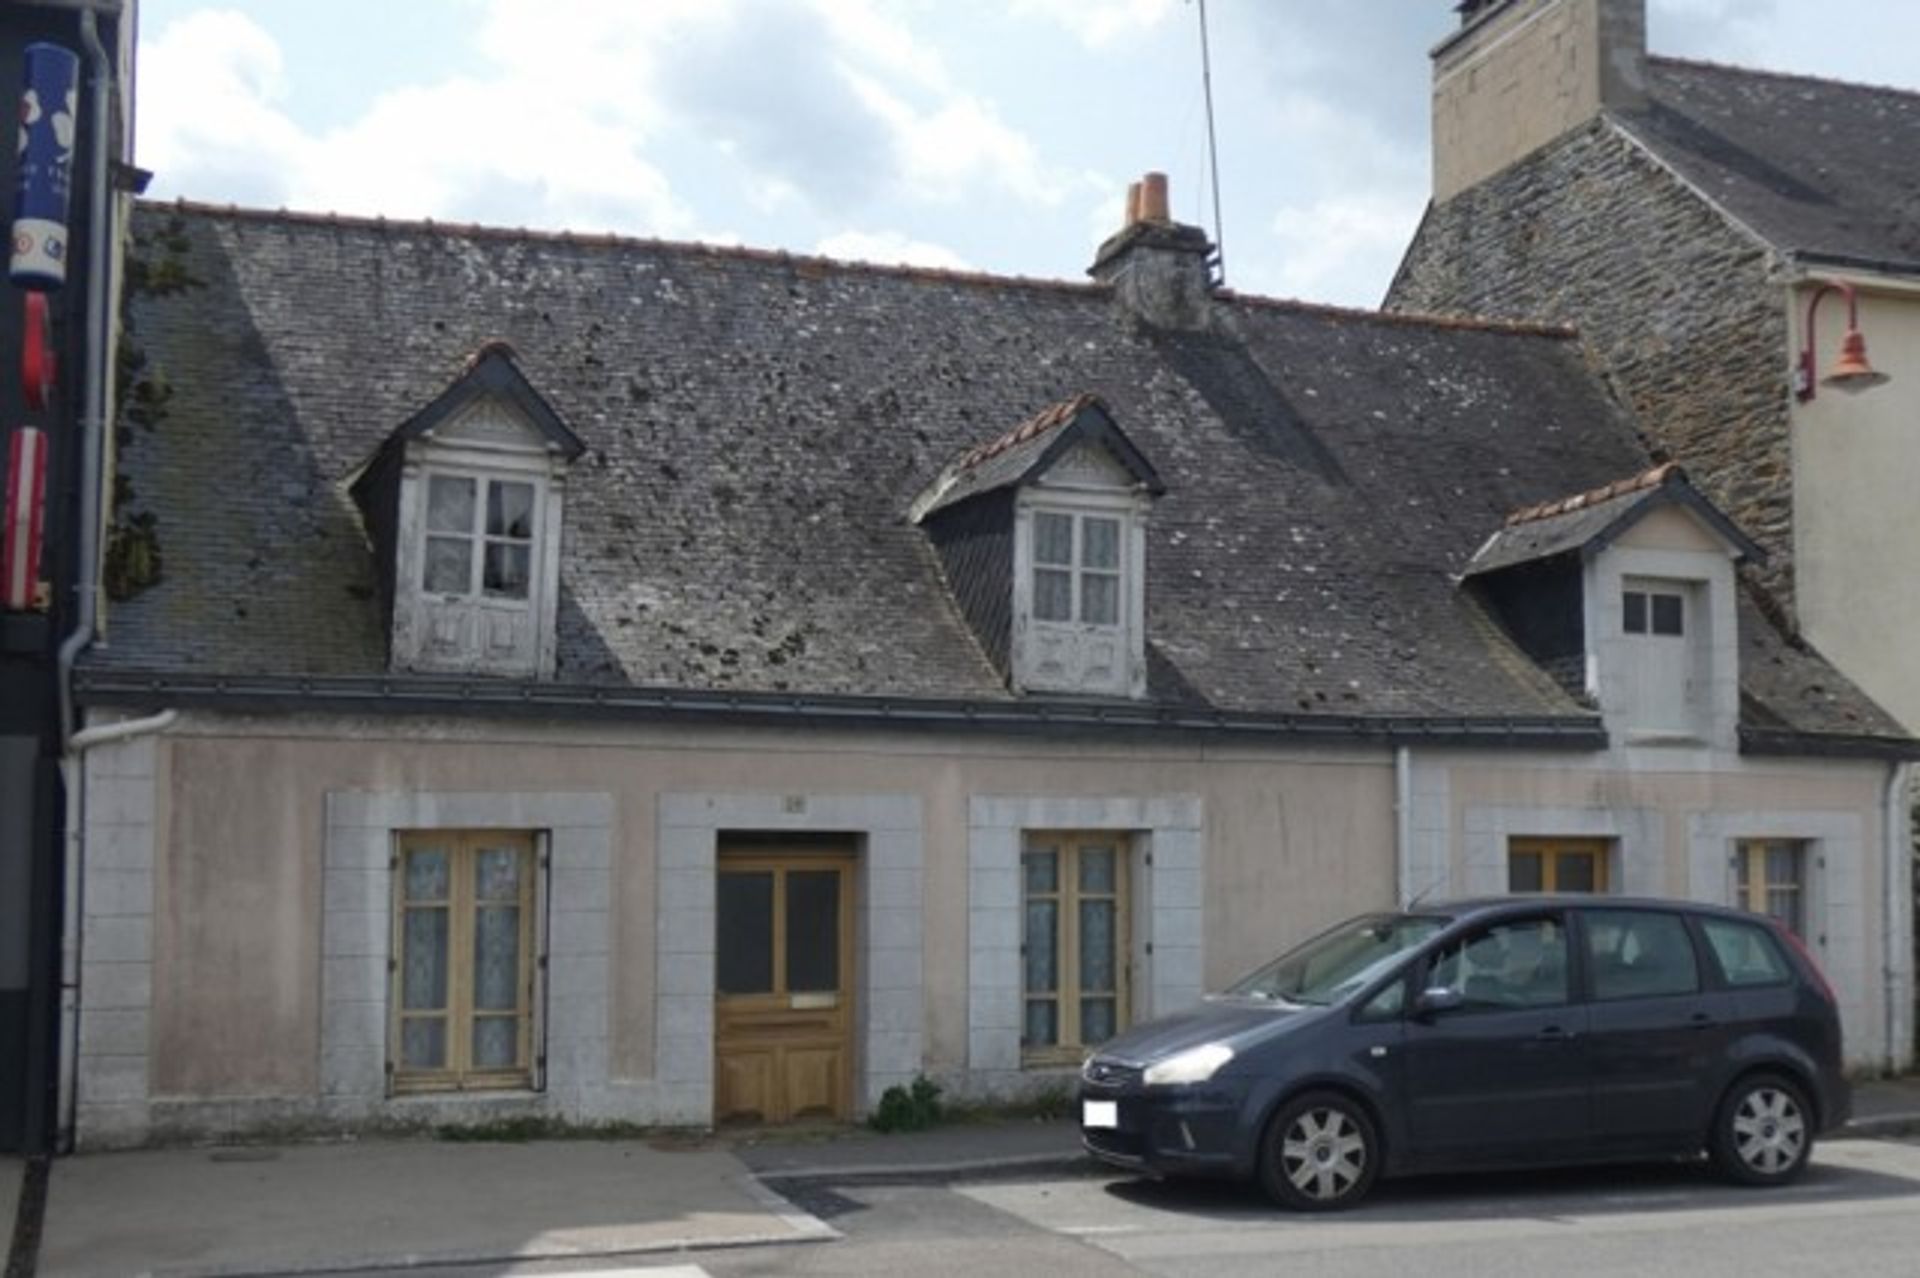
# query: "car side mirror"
1433,1002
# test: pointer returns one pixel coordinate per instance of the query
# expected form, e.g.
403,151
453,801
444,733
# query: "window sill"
1664,739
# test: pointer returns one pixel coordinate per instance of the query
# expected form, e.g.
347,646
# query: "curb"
1904,1123
951,1167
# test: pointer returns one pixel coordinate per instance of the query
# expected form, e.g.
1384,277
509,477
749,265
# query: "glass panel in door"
744,932
813,931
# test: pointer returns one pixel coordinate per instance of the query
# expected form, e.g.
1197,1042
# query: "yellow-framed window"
1073,944
1557,865
463,964
1770,878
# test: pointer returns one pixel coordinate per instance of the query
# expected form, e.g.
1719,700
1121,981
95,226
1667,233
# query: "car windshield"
1337,963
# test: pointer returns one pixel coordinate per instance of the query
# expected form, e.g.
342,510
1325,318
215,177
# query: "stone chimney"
1158,268
1520,73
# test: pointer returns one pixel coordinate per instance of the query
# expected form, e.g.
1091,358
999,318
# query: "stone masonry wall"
1671,299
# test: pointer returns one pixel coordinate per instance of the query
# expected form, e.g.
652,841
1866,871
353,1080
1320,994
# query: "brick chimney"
1158,268
1519,73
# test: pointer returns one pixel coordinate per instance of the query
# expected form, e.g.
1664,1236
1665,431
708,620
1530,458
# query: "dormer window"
1653,612
1627,595
1076,568
479,548
464,504
1043,536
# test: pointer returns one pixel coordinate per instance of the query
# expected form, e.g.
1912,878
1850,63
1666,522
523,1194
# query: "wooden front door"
783,1016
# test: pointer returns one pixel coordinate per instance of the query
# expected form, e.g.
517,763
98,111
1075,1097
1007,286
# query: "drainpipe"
93,413
1896,946
1403,820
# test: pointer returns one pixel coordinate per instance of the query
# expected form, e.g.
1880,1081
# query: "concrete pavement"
392,1204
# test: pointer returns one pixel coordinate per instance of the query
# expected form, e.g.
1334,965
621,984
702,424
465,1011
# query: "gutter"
1787,741
428,695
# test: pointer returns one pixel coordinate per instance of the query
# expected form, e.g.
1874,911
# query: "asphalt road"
1857,1211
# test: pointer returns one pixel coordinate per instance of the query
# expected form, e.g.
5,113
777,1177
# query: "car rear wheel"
1763,1134
1320,1153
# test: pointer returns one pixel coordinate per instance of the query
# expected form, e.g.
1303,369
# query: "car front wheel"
1320,1153
1763,1134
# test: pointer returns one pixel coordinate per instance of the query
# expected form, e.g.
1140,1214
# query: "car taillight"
1800,948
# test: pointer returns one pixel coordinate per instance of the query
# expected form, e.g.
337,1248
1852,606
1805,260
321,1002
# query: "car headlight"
1195,1065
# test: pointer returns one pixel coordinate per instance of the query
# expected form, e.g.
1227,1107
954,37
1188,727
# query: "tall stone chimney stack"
1519,73
1158,268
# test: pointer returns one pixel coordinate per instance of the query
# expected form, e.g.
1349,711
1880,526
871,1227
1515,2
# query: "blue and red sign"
49,105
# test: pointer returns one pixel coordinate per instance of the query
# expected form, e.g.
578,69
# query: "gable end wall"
1673,301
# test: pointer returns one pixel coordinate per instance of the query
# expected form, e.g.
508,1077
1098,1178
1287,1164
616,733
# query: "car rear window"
1747,954
1639,954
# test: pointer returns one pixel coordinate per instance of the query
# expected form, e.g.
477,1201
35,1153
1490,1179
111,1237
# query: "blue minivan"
1514,1031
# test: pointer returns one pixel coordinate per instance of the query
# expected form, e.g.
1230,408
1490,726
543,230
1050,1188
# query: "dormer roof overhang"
492,371
1026,452
1589,522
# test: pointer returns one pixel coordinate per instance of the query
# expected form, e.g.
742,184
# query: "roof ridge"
806,261
1651,478
614,239
1803,77
1408,319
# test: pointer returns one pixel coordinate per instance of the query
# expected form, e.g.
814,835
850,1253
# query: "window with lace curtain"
1073,944
463,969
1770,877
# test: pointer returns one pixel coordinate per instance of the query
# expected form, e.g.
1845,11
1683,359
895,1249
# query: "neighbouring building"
1685,216
610,679
45,607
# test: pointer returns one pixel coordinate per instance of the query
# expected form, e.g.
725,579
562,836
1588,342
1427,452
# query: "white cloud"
890,247
960,145
208,115
1097,23
1333,239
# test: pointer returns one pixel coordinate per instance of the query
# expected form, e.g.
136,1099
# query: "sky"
990,135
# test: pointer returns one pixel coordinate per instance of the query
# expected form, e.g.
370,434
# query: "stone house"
1686,216
607,679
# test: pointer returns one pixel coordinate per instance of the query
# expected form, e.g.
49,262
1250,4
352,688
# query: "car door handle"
1554,1034
1700,1021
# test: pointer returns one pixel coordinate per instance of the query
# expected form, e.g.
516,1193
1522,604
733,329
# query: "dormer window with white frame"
1079,592
479,547
1069,494
1076,568
465,502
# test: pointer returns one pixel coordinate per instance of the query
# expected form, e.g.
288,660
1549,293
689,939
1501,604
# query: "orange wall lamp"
1851,372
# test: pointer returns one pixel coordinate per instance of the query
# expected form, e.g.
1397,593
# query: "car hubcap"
1323,1154
1768,1130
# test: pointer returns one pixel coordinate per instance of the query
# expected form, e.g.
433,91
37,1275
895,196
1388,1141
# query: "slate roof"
757,425
1588,521
1820,169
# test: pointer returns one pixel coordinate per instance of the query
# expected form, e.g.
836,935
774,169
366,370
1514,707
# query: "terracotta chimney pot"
1133,204
1153,199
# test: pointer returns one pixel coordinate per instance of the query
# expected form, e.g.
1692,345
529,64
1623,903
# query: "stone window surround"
1836,903
1168,935
356,937
890,1011
1636,862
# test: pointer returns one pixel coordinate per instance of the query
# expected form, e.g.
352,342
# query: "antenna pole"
1213,150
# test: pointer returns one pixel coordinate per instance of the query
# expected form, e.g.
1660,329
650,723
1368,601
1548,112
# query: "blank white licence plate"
1100,1113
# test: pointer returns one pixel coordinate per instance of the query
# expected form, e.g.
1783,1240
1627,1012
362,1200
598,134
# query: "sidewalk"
1886,1106
331,1208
